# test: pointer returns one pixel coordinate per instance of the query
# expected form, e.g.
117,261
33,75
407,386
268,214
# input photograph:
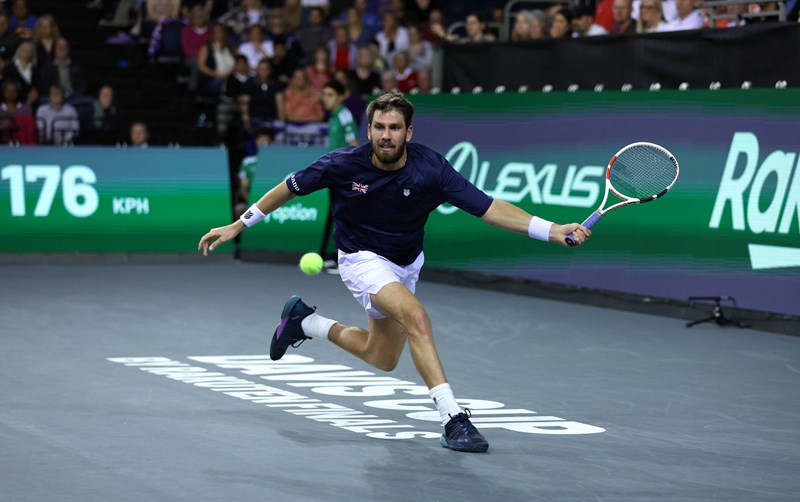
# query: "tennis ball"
311,263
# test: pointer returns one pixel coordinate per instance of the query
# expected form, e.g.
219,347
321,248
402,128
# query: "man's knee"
416,322
386,365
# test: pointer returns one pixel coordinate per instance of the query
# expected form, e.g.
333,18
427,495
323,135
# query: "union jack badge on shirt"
360,187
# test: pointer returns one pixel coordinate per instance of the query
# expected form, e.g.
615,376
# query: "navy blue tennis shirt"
385,211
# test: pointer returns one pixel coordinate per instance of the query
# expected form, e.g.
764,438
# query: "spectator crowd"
264,63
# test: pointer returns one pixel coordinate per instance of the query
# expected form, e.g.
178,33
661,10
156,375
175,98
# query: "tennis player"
383,192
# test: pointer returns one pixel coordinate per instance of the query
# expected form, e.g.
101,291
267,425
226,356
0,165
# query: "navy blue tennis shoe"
289,332
461,435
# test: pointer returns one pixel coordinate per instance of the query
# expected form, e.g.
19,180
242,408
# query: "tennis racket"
640,172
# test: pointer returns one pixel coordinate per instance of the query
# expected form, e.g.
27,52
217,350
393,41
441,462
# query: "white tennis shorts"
365,273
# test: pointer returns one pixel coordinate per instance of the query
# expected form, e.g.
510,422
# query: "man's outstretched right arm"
269,202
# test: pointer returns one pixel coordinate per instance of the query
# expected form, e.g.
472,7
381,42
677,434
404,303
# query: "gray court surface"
150,382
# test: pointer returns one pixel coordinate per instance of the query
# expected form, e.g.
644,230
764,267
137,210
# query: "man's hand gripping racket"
640,172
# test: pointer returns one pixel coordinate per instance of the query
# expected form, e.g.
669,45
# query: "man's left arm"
506,216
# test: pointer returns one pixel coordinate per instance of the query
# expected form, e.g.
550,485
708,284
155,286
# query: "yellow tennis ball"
311,263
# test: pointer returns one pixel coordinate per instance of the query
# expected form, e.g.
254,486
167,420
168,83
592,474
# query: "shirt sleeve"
312,178
458,191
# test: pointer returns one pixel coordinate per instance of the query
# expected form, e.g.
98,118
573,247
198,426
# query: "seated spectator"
476,29
8,39
235,84
388,81
424,81
343,51
22,21
623,22
420,51
392,37
282,65
368,14
277,33
688,18
26,71
239,19
319,71
583,24
540,25
17,124
257,47
604,14
561,23
366,80
315,34
357,31
106,119
651,17
63,71
292,16
193,36
234,97
301,102
265,105
215,61
57,121
522,26
405,77
139,135
668,10
475,25
433,30
45,34
379,63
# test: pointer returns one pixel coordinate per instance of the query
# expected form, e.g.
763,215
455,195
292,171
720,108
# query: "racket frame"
625,200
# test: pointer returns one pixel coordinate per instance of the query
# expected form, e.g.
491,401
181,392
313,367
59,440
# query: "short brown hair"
393,100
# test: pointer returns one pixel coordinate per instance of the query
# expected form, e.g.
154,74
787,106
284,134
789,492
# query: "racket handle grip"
588,223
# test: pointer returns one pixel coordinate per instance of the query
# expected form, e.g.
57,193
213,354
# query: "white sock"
317,326
445,401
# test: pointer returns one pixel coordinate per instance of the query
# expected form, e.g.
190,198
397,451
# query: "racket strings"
642,171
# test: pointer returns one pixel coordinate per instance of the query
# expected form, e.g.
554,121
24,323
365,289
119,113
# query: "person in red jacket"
604,14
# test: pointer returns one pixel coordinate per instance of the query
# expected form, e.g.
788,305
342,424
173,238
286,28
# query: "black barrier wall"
761,54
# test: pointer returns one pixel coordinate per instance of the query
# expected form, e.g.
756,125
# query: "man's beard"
389,157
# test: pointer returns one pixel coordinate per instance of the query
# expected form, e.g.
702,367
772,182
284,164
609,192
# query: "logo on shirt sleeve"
406,192
360,187
294,184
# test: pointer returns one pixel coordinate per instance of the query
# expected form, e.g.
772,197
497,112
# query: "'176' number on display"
80,196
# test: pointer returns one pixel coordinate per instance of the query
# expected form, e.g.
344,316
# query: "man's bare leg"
381,346
399,304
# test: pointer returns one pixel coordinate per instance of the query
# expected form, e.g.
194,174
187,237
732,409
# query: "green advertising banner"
729,227
67,200
298,225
